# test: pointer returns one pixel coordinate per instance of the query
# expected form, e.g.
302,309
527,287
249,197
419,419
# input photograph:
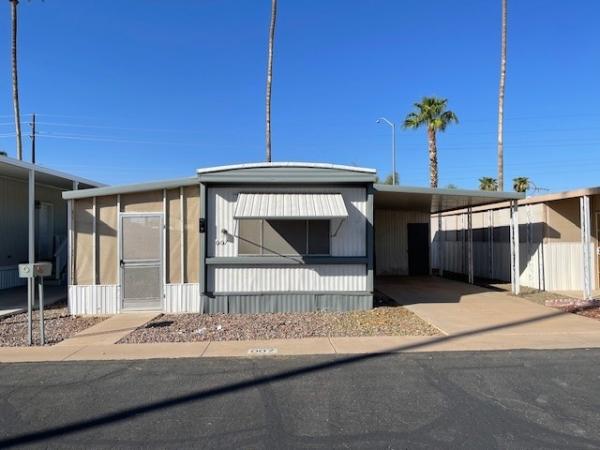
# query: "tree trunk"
15,81
433,163
270,79
501,101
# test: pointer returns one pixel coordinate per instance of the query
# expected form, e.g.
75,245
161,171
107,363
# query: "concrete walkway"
456,307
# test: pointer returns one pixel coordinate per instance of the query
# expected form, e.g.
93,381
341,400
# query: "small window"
283,237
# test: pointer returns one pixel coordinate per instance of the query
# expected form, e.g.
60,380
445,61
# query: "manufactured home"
33,218
558,235
264,237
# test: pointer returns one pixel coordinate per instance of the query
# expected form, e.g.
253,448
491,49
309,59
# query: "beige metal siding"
174,243
106,240
192,233
84,242
391,239
150,201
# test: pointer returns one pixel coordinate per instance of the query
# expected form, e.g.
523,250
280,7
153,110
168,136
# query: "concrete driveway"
484,315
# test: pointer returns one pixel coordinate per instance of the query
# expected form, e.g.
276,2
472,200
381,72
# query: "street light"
382,120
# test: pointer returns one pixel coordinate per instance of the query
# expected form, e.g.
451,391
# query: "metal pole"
41,295
584,219
29,308
393,126
394,181
441,245
514,248
30,251
470,246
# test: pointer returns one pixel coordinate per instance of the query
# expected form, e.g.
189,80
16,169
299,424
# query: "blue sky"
134,90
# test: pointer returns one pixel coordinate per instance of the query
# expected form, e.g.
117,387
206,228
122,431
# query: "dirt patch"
59,325
388,321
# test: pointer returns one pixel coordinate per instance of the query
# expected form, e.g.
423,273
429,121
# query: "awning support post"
515,271
440,245
470,269
586,266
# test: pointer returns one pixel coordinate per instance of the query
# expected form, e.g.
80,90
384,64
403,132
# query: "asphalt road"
524,399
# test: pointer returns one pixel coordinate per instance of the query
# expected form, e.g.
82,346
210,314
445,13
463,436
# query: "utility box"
39,269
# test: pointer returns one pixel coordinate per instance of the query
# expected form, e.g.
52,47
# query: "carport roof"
14,168
433,200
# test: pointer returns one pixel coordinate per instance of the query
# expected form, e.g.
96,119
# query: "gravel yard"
59,325
559,301
236,327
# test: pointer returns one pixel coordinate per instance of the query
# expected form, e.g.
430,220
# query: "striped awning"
290,206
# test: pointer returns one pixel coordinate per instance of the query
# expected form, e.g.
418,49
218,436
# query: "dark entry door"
418,248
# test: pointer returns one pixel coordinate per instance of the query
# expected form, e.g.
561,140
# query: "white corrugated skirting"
182,298
105,299
553,266
99,299
9,278
315,278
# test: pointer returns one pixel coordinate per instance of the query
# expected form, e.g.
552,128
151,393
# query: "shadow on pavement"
117,416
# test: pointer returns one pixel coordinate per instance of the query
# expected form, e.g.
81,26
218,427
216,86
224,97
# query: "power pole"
32,136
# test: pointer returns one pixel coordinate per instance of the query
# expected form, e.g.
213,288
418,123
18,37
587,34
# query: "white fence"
553,266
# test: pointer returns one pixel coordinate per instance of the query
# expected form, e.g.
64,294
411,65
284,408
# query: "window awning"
290,206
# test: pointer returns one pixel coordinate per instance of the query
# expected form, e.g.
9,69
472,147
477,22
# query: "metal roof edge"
306,165
500,196
130,188
45,170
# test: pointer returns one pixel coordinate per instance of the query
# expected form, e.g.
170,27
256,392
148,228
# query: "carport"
402,233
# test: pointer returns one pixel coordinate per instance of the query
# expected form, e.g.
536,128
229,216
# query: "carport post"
586,266
30,251
440,231
515,270
470,245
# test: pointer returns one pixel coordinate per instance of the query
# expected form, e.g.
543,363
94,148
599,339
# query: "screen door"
141,261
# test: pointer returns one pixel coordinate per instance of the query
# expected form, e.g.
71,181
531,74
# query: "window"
283,237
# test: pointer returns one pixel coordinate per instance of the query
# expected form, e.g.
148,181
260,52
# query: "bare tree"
501,101
270,77
15,81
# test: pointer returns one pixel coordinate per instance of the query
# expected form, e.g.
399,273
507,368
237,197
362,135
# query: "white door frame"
161,216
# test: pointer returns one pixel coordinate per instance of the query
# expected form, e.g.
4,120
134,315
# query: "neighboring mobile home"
264,237
558,235
49,224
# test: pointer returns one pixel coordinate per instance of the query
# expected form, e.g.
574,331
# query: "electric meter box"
39,269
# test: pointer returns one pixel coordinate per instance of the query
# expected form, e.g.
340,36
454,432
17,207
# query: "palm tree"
521,184
501,100
431,112
270,77
488,184
15,81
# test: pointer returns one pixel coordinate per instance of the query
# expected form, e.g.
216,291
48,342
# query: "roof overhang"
17,169
431,200
290,206
131,188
